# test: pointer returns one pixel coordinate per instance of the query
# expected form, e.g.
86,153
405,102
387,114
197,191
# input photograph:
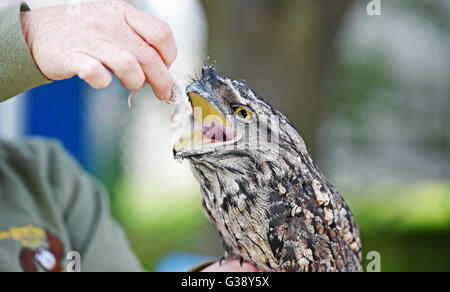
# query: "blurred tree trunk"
281,47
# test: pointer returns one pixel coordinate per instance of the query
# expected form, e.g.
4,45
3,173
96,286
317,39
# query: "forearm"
18,70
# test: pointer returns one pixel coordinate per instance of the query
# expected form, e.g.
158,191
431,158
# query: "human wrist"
25,19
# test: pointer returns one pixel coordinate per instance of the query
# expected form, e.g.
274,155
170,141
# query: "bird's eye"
243,113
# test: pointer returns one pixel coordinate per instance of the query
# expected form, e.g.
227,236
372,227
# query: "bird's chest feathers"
230,199
240,211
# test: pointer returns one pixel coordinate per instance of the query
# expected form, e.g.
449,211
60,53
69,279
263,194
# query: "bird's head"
234,127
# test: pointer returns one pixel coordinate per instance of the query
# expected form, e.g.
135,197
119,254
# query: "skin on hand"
231,266
136,46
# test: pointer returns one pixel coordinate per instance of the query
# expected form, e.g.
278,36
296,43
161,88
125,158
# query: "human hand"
136,46
231,266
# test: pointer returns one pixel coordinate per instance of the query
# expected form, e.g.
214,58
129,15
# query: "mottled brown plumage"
270,202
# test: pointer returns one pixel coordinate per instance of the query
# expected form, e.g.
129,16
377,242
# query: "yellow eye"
243,113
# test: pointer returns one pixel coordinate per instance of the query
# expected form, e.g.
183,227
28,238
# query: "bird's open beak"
211,128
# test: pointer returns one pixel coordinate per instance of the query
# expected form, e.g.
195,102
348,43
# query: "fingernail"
169,94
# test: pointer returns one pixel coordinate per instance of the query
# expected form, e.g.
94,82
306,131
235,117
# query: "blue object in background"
180,262
56,111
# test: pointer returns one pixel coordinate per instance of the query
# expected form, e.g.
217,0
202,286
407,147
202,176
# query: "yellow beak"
210,126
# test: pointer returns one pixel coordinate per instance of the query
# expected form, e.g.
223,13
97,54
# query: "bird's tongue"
210,127
218,133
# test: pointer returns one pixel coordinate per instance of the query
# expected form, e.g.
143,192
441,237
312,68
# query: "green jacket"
49,207
18,71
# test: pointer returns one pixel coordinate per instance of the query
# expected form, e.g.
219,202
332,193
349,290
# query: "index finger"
155,32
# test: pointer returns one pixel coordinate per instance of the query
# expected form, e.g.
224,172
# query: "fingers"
155,49
90,70
156,72
132,68
155,32
123,64
138,48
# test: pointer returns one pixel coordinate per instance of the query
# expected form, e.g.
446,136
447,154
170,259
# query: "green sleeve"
41,185
18,71
84,203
